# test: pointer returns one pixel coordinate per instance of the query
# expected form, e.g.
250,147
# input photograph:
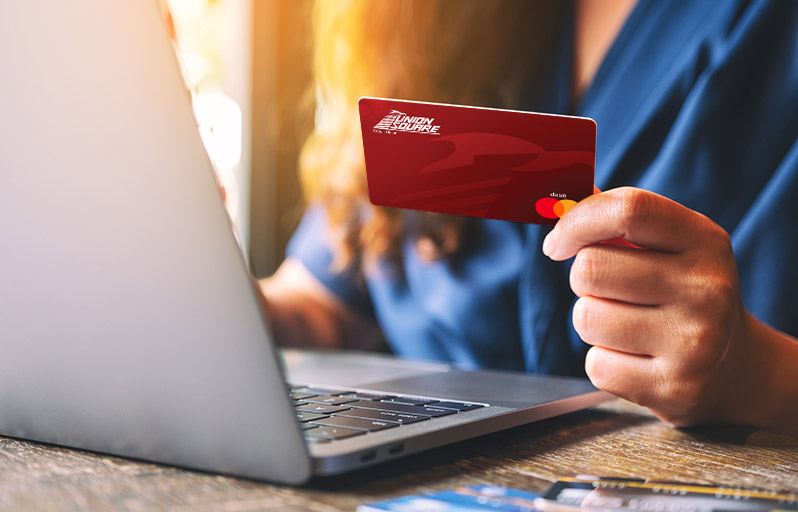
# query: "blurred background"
247,65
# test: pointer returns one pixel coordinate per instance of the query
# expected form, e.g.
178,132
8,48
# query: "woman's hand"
666,320
302,312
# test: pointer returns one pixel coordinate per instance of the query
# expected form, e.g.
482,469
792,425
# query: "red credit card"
479,162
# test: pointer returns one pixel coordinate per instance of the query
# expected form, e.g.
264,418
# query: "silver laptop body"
128,321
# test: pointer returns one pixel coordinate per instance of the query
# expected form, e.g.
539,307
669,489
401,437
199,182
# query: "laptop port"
370,455
396,449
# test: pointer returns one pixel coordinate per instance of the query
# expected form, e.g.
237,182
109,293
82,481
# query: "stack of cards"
595,494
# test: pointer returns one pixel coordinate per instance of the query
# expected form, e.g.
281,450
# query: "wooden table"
617,439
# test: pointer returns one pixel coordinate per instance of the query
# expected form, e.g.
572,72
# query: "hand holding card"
667,325
478,162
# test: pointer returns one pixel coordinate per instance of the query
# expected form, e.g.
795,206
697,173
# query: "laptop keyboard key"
371,396
331,400
390,406
321,408
309,416
296,395
356,423
437,411
409,400
404,418
458,406
334,432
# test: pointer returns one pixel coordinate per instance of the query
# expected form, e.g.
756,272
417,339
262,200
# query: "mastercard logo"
552,208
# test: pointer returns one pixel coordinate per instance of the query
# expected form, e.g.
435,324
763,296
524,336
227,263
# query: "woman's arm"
666,323
303,313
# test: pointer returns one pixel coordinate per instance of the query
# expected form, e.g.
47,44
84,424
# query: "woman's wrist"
781,398
768,383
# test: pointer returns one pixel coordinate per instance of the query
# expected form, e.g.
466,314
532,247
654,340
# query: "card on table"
474,161
462,499
606,494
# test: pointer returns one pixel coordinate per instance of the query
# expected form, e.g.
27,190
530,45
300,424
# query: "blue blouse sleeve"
310,244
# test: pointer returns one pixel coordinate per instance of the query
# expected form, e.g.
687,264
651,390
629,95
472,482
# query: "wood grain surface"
615,439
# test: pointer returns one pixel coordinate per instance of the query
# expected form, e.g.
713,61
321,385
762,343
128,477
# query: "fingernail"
548,244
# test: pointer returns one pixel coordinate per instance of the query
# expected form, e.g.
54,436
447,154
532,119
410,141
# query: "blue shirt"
696,100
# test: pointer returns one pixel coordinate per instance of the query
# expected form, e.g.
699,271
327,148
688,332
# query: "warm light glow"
188,9
199,39
219,120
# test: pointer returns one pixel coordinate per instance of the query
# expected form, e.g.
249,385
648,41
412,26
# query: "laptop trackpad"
509,389
351,369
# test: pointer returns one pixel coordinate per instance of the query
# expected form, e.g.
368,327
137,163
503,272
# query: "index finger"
641,217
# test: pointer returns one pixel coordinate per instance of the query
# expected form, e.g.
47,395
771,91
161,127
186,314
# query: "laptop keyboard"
328,415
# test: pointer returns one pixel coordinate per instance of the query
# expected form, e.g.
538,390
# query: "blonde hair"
477,52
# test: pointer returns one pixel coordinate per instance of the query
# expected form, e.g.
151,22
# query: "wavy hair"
474,52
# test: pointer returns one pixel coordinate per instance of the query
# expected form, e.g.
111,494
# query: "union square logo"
395,122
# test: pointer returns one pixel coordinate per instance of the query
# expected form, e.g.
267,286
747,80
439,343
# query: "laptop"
129,323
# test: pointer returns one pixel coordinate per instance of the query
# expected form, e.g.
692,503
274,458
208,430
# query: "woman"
697,108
